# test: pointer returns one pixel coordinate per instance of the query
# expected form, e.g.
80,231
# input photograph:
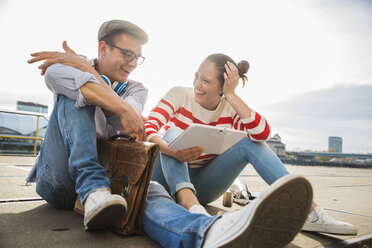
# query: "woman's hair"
221,59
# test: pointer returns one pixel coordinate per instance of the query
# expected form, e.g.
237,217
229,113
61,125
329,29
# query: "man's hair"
111,29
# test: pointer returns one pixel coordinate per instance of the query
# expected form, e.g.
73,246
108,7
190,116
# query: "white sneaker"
198,209
103,208
272,220
323,222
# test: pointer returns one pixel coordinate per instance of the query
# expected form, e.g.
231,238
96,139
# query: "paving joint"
13,200
346,212
364,241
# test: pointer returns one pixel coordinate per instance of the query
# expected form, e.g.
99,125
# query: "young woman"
194,178
191,176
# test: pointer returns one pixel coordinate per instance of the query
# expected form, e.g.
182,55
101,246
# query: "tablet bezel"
215,140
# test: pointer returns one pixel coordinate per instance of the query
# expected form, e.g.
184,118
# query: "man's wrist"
122,108
87,67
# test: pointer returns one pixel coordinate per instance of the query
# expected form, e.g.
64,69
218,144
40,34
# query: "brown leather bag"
128,164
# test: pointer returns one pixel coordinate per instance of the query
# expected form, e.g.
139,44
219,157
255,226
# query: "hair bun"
243,67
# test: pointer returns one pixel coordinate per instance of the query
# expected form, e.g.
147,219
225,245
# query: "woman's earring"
221,94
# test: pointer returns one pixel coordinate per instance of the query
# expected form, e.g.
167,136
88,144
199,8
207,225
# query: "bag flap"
130,157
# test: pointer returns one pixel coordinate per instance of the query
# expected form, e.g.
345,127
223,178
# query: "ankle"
188,203
186,198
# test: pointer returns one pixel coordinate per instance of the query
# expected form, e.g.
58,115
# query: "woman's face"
207,88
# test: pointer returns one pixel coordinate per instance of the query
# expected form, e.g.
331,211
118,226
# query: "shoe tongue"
314,215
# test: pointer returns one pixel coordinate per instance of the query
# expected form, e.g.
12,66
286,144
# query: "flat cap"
121,26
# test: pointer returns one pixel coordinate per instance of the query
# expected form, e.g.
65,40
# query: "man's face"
112,63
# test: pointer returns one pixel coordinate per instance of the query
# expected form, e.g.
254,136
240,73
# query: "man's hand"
69,58
133,122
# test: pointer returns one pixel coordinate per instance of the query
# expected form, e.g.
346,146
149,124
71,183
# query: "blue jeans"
67,164
170,224
211,181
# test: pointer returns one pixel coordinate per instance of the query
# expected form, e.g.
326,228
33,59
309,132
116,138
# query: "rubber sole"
331,229
279,215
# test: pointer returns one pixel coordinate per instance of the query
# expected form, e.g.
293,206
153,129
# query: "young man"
87,105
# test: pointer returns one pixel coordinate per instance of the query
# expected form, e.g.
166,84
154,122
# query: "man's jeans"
170,224
67,164
212,180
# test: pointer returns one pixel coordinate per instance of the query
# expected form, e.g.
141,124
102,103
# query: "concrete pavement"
28,221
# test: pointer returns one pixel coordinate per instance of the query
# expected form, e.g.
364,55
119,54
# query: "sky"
310,60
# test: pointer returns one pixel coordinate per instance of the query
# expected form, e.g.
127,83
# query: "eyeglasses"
128,55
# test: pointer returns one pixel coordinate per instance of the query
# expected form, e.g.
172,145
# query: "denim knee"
172,133
52,189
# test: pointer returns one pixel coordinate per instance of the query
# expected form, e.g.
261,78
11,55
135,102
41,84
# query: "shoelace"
323,216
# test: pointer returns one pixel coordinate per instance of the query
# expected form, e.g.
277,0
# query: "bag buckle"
125,191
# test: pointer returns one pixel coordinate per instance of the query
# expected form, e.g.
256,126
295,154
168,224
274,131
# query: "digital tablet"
215,140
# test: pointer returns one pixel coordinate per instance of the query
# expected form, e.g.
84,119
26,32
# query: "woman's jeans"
67,164
212,180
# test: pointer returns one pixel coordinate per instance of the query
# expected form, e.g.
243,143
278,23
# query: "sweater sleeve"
256,126
66,80
163,112
136,96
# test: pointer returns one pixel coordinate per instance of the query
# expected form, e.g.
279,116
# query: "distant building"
335,144
277,146
32,107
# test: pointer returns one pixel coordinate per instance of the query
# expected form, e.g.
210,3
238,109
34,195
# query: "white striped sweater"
178,108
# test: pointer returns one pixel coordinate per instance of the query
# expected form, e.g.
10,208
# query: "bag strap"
128,137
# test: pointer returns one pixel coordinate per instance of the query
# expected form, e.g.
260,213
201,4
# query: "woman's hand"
231,77
231,81
187,155
69,57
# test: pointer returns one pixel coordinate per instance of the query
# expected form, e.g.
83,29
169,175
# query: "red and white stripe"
178,108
